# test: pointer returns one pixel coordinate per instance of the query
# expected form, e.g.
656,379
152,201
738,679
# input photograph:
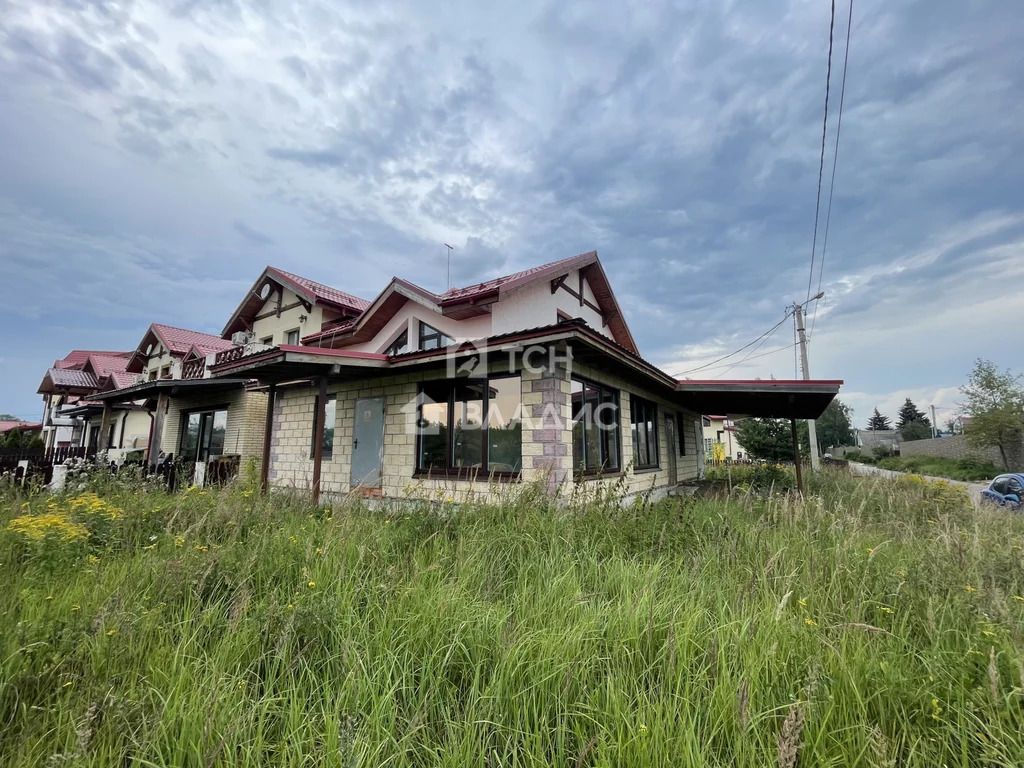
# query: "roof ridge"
187,330
300,279
517,273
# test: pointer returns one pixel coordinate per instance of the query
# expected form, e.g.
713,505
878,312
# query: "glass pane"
504,425
592,432
608,420
433,427
579,460
400,345
467,426
190,438
330,415
219,422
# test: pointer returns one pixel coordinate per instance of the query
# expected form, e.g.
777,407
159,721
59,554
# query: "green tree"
8,417
878,421
771,439
995,404
919,429
910,412
835,426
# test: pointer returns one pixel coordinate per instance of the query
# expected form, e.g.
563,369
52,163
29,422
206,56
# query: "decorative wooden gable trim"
578,294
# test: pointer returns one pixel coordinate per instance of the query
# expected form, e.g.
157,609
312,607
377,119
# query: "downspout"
124,421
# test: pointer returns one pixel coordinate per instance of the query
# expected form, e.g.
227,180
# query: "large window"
595,427
202,434
330,416
468,425
431,338
400,345
644,427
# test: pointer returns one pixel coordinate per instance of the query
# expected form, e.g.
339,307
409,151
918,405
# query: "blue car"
1006,491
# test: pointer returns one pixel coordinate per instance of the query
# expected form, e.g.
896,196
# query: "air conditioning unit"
241,338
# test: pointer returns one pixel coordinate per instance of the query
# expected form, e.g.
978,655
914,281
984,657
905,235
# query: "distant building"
720,441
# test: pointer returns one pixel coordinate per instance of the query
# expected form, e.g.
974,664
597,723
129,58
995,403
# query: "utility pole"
934,428
450,249
798,315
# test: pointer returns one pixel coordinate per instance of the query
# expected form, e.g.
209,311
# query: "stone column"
547,427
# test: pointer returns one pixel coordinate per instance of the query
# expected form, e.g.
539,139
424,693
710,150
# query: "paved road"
974,489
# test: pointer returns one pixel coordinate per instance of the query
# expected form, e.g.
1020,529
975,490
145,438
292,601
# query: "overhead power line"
754,357
835,160
736,352
821,162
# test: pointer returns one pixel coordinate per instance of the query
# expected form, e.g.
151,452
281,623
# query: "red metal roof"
180,340
77,357
22,426
71,377
516,279
322,293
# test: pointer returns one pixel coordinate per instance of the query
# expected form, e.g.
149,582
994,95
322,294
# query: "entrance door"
368,442
672,447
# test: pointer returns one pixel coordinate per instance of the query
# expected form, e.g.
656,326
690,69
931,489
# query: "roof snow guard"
768,398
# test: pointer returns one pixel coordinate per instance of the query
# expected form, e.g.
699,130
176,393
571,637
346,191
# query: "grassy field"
970,470
877,623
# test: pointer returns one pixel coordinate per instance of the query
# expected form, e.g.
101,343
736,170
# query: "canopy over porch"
767,398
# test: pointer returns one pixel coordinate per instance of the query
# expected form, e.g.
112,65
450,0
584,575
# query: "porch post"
319,417
268,427
104,441
156,435
796,456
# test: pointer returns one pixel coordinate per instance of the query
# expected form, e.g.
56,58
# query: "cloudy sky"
157,155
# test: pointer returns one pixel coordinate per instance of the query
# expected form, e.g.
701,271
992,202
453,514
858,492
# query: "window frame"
481,474
327,453
395,347
287,334
430,333
650,422
268,340
681,432
185,415
582,472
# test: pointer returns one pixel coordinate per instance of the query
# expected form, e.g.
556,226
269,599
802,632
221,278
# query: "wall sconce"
303,318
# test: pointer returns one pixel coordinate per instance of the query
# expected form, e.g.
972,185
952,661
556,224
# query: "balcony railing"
193,369
229,355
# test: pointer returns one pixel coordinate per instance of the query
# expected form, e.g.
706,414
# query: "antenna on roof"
450,249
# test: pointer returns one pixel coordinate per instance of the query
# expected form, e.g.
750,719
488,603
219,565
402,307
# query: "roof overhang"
291,363
172,387
768,398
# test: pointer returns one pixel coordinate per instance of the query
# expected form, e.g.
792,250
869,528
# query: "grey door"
368,442
670,448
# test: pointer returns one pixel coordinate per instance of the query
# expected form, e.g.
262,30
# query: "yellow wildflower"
886,609
112,632
969,588
810,622
179,541
76,607
642,729
201,547
49,597
311,584
319,550
1018,597
68,684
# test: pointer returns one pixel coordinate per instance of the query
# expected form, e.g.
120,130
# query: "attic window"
400,345
431,338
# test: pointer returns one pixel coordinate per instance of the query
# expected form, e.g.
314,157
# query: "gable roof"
470,301
77,357
178,342
81,369
309,291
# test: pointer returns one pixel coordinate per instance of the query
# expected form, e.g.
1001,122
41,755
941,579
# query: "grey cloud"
85,65
252,235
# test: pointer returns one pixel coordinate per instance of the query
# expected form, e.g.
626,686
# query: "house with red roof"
533,376
215,425
74,419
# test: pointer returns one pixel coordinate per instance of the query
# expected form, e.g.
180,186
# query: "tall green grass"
876,623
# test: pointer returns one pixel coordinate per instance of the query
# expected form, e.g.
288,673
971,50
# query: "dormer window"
431,338
400,345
